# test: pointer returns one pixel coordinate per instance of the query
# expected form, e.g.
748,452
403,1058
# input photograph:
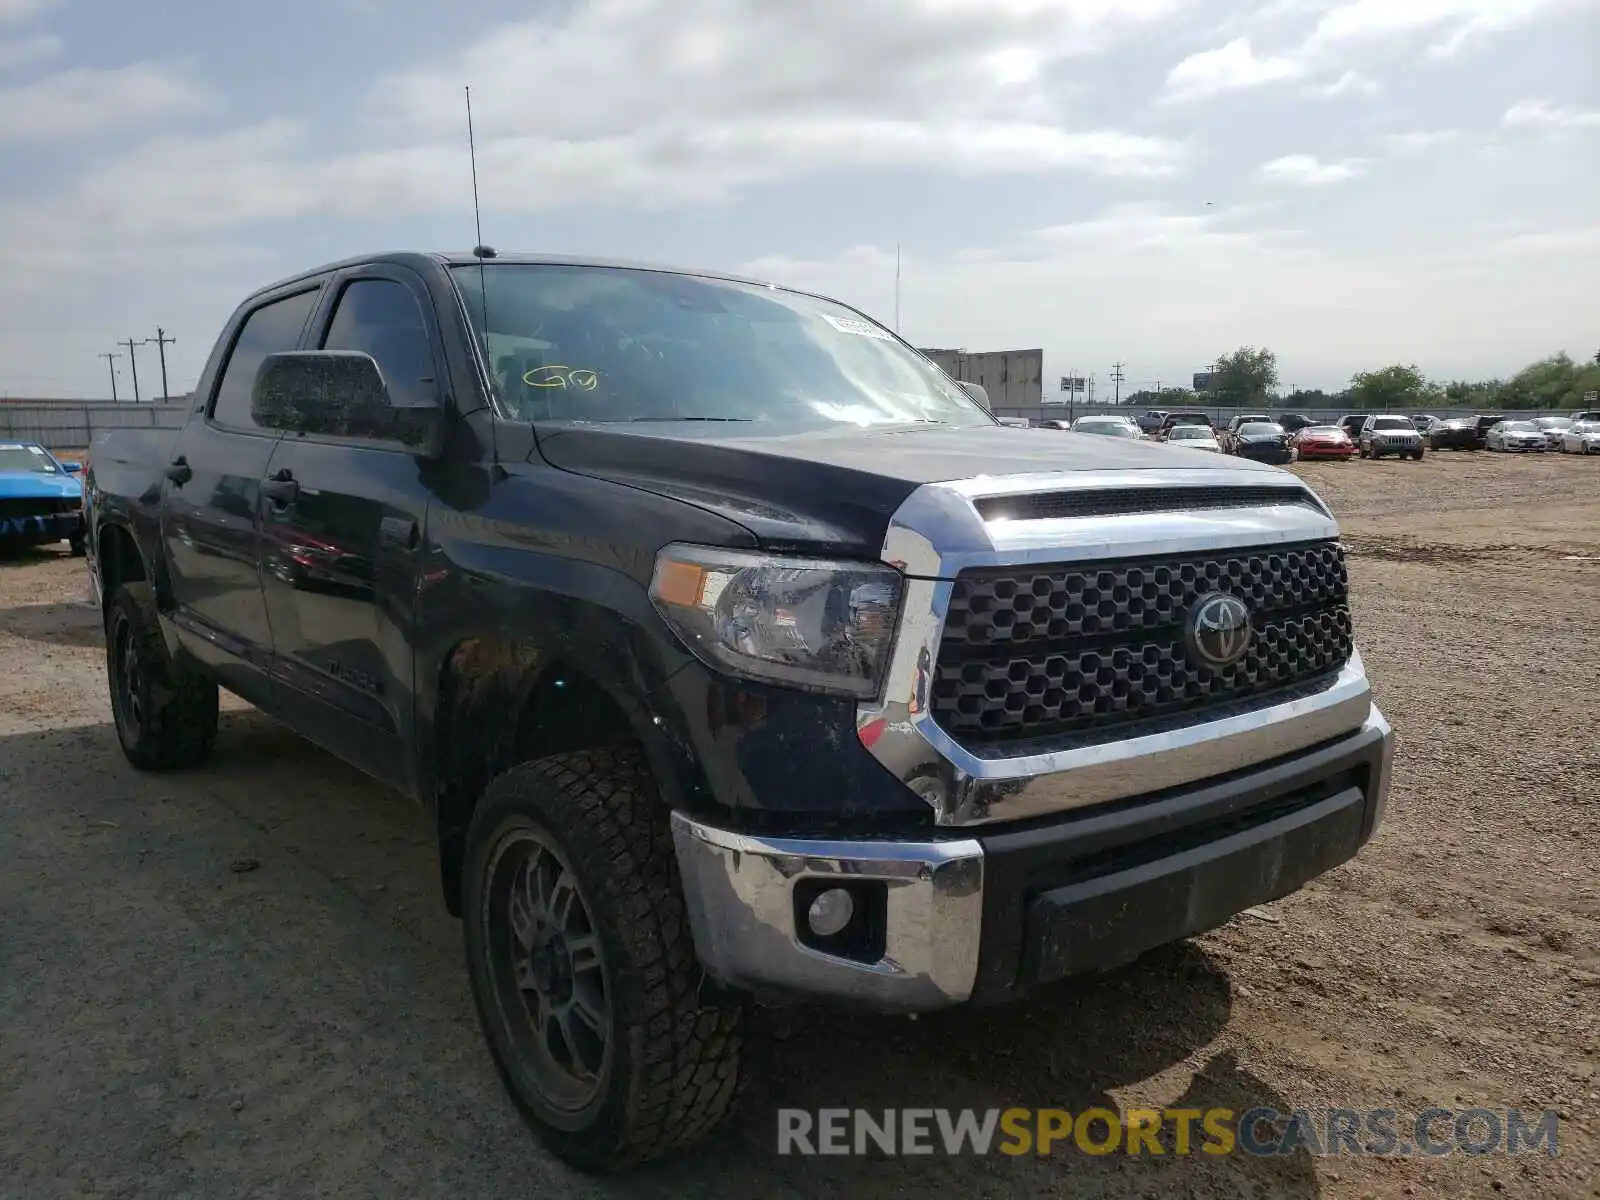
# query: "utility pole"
897,287
162,341
1116,379
134,363
111,367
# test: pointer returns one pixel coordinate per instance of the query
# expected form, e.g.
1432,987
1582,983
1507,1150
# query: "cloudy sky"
1349,182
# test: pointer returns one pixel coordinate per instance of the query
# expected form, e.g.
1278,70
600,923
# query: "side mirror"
341,393
978,392
72,468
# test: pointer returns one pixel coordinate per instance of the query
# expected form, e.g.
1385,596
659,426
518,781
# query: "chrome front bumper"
741,894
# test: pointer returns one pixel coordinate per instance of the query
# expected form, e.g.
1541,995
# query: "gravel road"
240,981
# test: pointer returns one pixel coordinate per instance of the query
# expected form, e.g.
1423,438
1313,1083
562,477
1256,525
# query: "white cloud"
1306,170
1229,68
85,100
682,103
19,52
1418,139
1351,83
619,67
1555,241
1459,21
1543,114
22,10
1143,226
268,172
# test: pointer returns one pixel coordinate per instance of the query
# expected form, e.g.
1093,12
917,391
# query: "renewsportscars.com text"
1375,1132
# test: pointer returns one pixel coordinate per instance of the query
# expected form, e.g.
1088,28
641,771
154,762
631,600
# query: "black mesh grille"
1030,652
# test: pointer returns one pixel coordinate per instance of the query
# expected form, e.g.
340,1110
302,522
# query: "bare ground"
240,981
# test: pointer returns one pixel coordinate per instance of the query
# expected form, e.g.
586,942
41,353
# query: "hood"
835,489
32,484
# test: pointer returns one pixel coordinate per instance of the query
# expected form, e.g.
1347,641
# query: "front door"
342,524
211,515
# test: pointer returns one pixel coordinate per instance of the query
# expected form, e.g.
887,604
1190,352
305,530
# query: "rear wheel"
165,711
583,969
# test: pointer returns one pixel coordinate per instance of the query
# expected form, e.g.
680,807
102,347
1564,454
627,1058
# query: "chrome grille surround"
938,533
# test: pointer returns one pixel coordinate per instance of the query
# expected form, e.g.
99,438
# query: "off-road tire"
677,1040
175,722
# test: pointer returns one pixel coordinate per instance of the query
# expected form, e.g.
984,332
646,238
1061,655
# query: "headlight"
807,623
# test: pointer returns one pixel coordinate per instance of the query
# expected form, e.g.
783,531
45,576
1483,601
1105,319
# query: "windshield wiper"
673,418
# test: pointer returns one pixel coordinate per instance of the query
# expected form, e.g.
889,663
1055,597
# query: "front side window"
379,317
615,345
270,329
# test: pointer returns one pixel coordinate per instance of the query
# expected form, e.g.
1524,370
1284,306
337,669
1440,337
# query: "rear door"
211,510
340,541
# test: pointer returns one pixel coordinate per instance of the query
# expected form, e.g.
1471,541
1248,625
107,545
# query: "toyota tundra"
734,653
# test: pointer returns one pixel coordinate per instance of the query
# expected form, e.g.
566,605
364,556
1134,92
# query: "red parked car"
1322,441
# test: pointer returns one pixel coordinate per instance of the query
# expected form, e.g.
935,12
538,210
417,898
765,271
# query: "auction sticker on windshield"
863,328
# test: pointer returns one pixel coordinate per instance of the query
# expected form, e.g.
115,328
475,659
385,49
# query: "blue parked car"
41,498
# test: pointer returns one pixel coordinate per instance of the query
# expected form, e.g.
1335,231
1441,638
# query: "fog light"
830,912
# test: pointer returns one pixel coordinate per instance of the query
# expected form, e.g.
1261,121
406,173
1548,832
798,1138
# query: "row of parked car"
1286,436
1577,434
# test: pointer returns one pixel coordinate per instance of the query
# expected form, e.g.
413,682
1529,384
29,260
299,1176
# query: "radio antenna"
481,252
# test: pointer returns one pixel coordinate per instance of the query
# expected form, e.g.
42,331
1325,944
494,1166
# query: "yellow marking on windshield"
559,375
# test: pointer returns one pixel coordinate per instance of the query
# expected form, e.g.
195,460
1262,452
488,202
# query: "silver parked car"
1581,437
1516,437
1553,428
1383,434
1194,437
1120,427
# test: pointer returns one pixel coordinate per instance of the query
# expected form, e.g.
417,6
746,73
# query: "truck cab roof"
420,260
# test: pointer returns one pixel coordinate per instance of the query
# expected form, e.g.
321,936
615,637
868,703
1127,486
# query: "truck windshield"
618,344
17,457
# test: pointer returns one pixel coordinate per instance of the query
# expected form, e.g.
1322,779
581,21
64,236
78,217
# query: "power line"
134,363
1116,379
162,341
111,367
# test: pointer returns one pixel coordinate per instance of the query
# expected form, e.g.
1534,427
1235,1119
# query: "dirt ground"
240,980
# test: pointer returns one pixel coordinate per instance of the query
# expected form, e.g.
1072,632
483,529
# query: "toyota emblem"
1218,631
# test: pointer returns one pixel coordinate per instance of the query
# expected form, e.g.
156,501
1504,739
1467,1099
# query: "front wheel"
583,969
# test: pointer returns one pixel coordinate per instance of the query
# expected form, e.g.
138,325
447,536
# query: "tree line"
1248,378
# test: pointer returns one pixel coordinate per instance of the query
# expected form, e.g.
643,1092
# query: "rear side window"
381,318
270,329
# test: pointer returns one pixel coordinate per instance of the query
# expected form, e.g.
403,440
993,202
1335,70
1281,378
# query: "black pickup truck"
735,653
